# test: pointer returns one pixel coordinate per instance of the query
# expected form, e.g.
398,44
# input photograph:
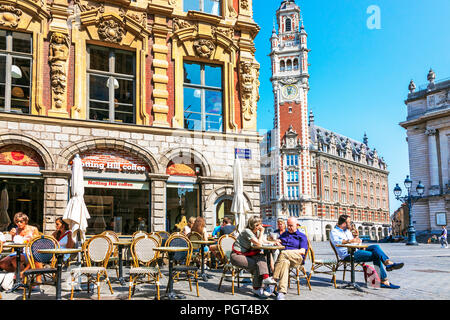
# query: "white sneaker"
270,289
260,293
269,281
280,296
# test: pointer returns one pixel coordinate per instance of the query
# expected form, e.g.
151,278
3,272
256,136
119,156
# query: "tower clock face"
290,92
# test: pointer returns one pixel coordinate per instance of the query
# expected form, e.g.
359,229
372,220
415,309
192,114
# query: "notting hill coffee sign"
112,161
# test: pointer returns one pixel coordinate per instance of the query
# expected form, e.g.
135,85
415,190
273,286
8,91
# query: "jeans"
444,242
373,254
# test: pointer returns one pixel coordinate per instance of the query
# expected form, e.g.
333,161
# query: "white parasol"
239,206
76,214
4,203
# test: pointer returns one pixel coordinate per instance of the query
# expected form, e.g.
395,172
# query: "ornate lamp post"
409,199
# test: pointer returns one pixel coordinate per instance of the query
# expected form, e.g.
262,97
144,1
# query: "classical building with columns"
309,171
428,130
156,96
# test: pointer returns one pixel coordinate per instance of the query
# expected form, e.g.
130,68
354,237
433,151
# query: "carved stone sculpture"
58,55
204,48
111,31
249,89
9,16
180,24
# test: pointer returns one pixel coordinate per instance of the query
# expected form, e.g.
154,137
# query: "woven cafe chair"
225,245
97,251
182,260
144,269
196,254
157,237
164,236
36,260
114,259
325,266
1,271
138,234
343,263
300,271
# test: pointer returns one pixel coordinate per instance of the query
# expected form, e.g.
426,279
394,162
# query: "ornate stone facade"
159,36
428,130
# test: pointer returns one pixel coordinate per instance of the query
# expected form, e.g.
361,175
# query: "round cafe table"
352,248
120,245
267,249
59,253
18,247
171,295
202,244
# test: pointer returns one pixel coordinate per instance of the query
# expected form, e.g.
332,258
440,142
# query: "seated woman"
187,228
64,236
243,256
200,227
22,234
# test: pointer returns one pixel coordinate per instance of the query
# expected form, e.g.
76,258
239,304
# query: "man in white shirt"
341,235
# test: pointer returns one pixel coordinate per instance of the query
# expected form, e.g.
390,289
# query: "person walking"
444,243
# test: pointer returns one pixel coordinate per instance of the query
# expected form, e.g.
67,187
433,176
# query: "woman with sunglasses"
22,234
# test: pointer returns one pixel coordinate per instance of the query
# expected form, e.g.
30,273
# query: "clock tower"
289,57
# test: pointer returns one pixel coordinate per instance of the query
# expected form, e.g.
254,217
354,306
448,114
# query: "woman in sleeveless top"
64,236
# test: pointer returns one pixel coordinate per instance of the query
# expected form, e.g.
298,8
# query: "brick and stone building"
309,171
428,130
156,96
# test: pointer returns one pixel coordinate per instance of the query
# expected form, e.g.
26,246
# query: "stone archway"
327,231
32,143
68,153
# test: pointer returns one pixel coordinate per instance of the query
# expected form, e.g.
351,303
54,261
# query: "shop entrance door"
183,202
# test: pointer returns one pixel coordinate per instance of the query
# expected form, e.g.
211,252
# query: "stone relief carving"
231,11
244,4
110,30
9,16
289,80
227,32
204,48
430,132
86,7
249,89
180,24
58,55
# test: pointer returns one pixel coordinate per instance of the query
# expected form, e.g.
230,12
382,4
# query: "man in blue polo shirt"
296,246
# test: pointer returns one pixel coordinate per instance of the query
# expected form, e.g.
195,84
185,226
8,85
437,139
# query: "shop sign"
113,166
112,161
111,184
243,153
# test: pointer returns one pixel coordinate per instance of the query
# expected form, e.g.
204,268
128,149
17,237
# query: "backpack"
6,280
371,276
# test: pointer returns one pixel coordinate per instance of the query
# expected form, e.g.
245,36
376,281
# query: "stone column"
158,204
433,162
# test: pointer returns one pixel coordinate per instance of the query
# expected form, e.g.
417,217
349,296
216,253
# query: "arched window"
295,64
288,25
282,66
289,65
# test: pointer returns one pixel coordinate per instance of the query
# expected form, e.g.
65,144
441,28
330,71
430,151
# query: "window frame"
203,87
111,76
9,55
201,6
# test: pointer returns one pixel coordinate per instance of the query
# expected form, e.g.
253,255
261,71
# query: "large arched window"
295,64
288,25
289,65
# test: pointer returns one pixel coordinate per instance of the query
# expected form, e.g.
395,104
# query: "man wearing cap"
296,247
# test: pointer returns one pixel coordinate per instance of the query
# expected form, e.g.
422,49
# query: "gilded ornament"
9,16
111,31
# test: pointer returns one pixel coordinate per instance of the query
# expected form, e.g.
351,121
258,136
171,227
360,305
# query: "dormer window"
288,25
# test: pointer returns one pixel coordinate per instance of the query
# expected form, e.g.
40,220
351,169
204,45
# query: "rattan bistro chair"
138,234
97,251
164,236
225,245
144,263
182,271
300,271
324,266
345,263
157,237
114,258
40,259
196,257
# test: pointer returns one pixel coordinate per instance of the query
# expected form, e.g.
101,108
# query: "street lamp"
409,199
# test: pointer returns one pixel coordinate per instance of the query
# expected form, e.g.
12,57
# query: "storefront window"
15,71
223,210
120,210
24,195
111,85
183,202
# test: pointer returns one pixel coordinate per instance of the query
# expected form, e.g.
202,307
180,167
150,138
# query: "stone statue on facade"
58,55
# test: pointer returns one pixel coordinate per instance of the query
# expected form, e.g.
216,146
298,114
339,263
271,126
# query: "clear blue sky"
359,77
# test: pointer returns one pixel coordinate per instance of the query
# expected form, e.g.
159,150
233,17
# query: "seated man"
296,246
227,227
341,235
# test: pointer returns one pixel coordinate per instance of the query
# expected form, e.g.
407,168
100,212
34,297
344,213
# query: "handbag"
371,276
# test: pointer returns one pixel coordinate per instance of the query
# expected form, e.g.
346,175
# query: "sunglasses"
20,221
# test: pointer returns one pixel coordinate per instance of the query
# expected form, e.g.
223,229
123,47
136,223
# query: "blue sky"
359,77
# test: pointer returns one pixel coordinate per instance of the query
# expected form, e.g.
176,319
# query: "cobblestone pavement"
426,275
